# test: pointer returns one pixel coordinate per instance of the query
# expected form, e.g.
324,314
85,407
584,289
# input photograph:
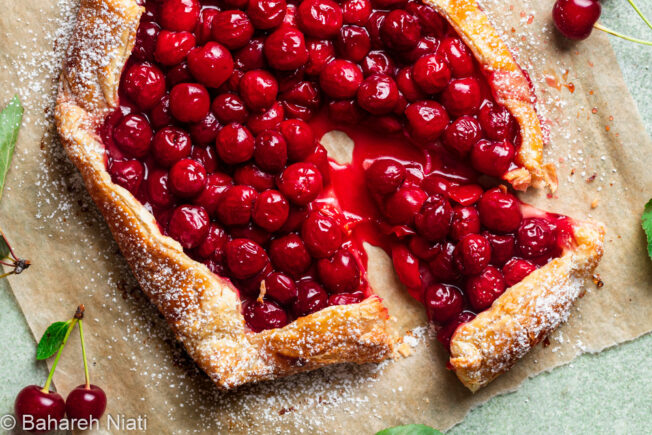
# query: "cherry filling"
223,104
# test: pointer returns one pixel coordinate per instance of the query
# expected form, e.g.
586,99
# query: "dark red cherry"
385,176
281,287
232,28
235,205
427,120
179,14
144,84
492,158
270,152
340,273
536,237
499,211
443,302
158,188
353,43
321,234
406,265
128,174
319,18
86,403
434,219
472,254
461,134
271,210
258,89
213,243
445,334
378,94
262,315
431,73
234,143
575,18
516,269
173,47
496,121
211,64
245,258
33,402
442,266
133,135
289,255
401,206
503,247
266,14
356,11
299,137
485,288
285,49
300,183
170,145
187,178
189,102
466,220
345,298
400,30
188,225
340,79
311,298
462,96
229,108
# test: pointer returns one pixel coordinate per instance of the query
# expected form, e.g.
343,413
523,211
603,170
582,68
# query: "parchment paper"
596,139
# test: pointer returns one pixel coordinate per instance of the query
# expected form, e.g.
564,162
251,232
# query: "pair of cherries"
43,407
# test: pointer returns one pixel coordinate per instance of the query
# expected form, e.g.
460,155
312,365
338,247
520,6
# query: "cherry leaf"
646,222
10,120
410,429
51,340
4,247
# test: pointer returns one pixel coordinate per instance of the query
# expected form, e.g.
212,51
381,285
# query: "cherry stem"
620,35
81,337
11,250
640,14
46,387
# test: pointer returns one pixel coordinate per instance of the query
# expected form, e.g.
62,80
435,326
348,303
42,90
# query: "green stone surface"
609,392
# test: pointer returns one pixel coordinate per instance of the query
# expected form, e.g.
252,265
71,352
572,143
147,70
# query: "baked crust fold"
203,309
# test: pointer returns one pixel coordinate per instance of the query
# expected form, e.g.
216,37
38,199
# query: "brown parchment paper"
596,139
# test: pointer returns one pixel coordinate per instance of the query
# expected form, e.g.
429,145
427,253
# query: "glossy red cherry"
289,255
499,211
340,79
462,96
245,258
133,135
234,143
301,100
442,266
492,158
144,84
424,249
406,265
285,49
33,402
484,289
281,288
345,112
443,302
345,298
213,244
426,45
258,89
158,188
466,220
400,30
575,18
229,108
299,137
321,234
407,85
536,237
472,254
340,273
173,47
160,115
205,25
235,205
188,225
461,134
251,55
170,144
431,22
179,74
253,176
271,210
377,62
187,178
356,11
300,183
496,121
353,43
179,15
270,152
427,120
319,18
311,298
205,131
128,174
146,40
503,247
378,94
516,269
86,403
434,219
232,28
271,119
320,53
216,184
401,206
431,73
262,315
211,64
189,102
459,57
266,14
385,176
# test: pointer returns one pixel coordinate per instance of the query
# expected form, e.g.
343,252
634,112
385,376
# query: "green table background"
609,392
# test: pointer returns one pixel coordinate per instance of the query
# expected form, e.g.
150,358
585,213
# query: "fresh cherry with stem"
87,401
575,19
42,404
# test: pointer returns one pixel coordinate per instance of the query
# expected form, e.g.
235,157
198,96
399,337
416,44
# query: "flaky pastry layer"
203,309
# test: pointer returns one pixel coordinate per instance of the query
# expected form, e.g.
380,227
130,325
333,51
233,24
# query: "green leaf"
10,120
410,429
646,222
4,247
51,340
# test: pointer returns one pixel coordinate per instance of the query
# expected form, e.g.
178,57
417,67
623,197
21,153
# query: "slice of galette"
197,126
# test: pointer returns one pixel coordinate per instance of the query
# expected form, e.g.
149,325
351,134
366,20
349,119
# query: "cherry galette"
209,116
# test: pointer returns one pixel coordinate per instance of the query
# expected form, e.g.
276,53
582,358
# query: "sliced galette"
196,127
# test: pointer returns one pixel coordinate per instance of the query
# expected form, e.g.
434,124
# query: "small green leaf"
410,429
10,120
646,222
51,340
4,247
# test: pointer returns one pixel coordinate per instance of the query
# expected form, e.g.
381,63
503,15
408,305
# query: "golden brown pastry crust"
510,86
203,309
526,313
